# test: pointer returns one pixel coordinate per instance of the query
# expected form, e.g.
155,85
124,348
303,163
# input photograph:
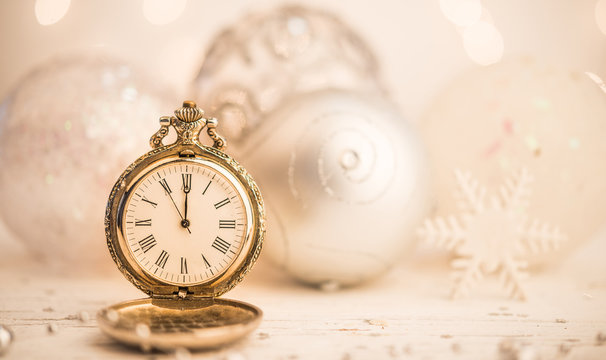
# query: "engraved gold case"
183,308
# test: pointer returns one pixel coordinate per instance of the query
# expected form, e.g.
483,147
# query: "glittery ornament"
6,339
525,114
66,132
254,66
492,234
344,179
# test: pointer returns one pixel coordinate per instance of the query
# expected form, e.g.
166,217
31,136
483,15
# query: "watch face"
185,222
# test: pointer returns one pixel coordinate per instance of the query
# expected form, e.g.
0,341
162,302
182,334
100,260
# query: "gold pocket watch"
184,223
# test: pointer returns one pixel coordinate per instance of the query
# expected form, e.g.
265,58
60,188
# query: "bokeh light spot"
129,94
297,26
533,145
49,179
162,12
542,103
574,143
483,43
462,12
600,15
49,12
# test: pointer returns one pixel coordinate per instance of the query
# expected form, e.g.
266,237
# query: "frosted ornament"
525,114
60,151
265,59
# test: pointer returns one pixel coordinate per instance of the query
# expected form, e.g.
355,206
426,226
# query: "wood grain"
405,314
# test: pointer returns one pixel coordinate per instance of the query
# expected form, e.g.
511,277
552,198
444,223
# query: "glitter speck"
574,143
182,354
50,179
533,145
112,315
108,78
77,213
129,94
542,103
142,330
67,125
330,286
508,126
52,328
83,316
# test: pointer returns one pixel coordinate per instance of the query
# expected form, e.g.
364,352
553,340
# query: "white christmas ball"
67,131
496,120
345,183
252,67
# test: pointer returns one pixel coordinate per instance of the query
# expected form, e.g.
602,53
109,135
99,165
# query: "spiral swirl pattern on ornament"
352,161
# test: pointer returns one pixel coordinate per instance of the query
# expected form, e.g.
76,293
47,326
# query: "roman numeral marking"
186,182
165,186
161,261
206,263
150,202
146,222
147,243
222,203
227,224
183,265
221,245
206,188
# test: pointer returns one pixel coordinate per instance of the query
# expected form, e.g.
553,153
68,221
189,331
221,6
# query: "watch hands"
183,221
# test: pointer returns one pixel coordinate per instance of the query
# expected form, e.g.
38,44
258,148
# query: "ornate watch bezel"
123,258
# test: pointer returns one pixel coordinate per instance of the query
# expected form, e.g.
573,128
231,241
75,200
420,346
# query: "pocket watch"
184,223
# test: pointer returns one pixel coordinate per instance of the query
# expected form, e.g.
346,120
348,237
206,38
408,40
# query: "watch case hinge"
183,293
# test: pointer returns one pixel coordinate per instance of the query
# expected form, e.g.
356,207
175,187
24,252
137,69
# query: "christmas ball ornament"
66,131
519,114
254,66
345,184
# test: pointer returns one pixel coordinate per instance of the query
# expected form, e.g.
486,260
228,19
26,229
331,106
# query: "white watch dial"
185,223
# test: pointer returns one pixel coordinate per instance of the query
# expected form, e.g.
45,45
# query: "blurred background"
352,117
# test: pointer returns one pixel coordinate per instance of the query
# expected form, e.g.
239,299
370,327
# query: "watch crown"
189,112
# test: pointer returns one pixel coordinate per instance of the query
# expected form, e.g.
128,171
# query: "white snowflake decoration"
491,236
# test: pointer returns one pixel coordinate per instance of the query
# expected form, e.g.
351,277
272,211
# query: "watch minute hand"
169,193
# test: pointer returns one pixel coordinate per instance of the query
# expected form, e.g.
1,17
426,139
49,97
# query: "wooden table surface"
405,314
